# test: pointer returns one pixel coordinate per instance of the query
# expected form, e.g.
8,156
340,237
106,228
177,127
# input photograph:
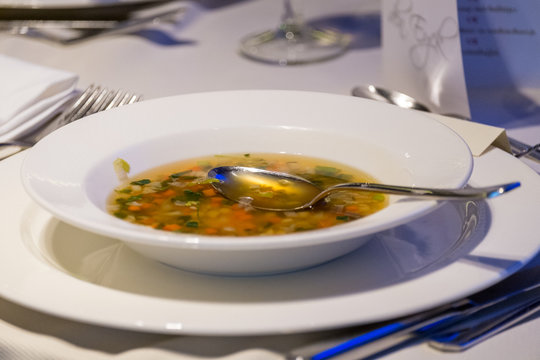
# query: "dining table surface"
200,53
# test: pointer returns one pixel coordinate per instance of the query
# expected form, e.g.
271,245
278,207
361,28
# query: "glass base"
290,45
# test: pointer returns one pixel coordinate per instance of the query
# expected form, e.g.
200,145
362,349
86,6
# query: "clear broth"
179,197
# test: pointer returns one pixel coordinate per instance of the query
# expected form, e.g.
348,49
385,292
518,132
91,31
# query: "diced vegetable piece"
192,224
181,198
121,168
141,182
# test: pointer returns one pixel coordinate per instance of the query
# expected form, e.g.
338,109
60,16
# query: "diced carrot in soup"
184,201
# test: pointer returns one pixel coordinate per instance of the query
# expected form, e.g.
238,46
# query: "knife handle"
476,332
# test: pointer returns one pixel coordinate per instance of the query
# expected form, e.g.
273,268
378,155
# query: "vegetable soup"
180,197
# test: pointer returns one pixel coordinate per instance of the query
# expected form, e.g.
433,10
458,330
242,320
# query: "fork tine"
95,99
134,98
79,101
124,99
116,101
85,105
130,99
99,101
106,101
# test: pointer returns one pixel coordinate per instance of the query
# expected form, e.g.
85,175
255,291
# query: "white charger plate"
457,250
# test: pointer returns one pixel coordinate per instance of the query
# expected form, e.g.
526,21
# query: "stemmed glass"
294,42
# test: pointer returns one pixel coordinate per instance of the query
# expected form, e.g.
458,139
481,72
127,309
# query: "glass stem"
290,17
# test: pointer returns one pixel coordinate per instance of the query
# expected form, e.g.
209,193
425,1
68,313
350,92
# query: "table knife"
451,327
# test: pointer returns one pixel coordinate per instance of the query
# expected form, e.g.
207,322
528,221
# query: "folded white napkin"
30,94
478,136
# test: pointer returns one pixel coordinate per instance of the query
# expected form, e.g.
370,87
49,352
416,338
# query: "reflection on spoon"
395,98
291,193
388,96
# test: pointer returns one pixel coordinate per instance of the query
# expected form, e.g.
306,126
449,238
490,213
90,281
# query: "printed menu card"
465,57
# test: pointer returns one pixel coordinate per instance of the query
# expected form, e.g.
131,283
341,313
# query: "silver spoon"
408,102
388,96
276,191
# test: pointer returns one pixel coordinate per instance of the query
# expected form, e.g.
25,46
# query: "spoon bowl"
292,193
395,97
389,96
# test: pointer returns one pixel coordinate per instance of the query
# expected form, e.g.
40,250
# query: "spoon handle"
446,194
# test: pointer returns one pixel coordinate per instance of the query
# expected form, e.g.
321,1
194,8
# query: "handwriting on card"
427,39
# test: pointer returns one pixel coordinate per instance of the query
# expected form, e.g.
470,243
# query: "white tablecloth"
200,54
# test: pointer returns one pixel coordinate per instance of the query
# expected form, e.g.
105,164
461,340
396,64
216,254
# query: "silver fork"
92,100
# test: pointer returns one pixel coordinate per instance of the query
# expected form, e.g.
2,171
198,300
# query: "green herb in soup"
179,197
